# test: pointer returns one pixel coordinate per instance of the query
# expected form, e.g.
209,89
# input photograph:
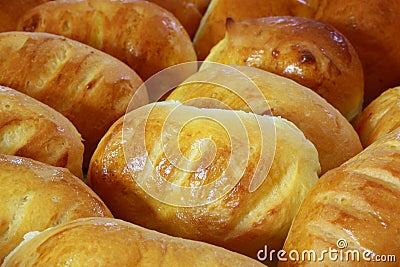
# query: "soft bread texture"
309,52
262,93
111,242
89,87
372,27
142,34
237,219
11,11
357,202
36,196
31,129
212,26
380,117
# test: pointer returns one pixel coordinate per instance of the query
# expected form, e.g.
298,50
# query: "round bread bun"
90,88
372,27
104,242
233,179
29,128
332,135
35,196
142,34
307,51
212,26
380,117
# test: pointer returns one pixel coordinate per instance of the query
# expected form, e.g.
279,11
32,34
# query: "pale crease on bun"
307,51
266,93
105,242
142,34
90,88
380,117
35,196
211,201
31,129
353,209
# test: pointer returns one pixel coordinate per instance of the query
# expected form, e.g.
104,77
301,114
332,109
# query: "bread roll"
212,26
380,117
35,196
142,34
90,88
237,184
104,242
261,92
357,203
11,11
307,51
29,128
372,27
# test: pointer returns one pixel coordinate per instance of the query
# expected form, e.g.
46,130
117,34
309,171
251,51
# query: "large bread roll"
307,51
380,117
89,87
106,242
29,128
35,196
212,26
372,27
261,92
228,178
353,208
142,34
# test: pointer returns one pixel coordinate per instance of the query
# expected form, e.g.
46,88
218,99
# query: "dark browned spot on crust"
306,56
31,27
275,53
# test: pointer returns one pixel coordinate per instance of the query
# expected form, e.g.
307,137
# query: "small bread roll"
353,209
35,196
142,34
380,117
307,51
372,27
31,129
254,90
105,242
11,11
212,26
228,178
89,87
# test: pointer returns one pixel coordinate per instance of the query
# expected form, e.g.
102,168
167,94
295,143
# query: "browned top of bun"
31,129
90,88
142,34
35,196
307,51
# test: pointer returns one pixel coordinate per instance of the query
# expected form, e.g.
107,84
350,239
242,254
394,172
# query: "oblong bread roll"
103,242
35,196
29,128
228,178
90,88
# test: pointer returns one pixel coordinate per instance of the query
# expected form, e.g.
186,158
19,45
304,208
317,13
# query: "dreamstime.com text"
339,254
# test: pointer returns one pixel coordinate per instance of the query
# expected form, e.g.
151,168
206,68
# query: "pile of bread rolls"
119,147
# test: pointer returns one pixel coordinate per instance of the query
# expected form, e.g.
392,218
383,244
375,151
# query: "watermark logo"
340,253
142,162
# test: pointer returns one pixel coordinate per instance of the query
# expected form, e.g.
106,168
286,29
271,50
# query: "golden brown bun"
11,11
372,27
89,87
307,51
106,242
185,11
200,206
380,117
212,26
35,196
29,128
142,34
332,135
357,202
